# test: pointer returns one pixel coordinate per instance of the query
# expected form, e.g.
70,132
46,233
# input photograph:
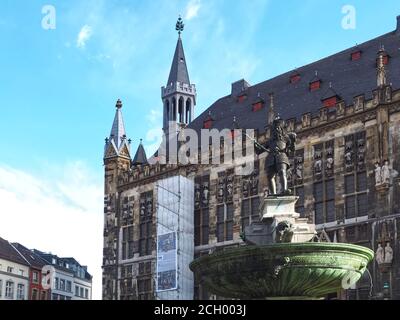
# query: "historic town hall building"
345,110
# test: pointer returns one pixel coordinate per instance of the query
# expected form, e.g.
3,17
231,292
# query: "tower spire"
117,138
179,95
118,133
140,156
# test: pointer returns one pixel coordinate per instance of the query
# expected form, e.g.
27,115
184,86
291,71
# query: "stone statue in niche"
142,208
386,172
318,164
254,183
379,254
290,173
206,194
221,189
299,168
149,206
329,161
361,153
348,155
229,188
378,174
197,195
245,187
388,253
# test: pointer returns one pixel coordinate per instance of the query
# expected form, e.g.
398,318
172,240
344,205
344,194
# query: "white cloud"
84,35
155,116
192,9
60,212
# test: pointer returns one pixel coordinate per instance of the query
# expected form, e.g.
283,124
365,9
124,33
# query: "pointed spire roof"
118,133
179,71
140,156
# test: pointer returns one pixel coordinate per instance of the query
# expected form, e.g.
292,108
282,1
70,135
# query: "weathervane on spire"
179,25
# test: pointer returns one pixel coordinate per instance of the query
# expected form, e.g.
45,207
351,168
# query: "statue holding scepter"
279,146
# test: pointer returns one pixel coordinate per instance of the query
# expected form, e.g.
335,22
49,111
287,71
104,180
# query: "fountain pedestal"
277,212
281,262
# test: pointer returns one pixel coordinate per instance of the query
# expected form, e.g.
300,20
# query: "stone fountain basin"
282,271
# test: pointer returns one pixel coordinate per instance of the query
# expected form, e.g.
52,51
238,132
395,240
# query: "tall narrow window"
20,291
9,290
356,184
201,212
324,189
146,224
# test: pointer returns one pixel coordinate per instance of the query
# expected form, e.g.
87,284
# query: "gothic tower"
179,95
116,160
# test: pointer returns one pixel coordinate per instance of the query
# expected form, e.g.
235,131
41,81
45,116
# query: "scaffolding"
175,215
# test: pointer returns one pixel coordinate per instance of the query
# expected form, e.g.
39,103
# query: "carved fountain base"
280,262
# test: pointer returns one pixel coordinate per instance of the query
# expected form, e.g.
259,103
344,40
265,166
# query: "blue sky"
58,89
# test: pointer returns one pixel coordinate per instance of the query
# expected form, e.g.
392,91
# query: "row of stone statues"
384,255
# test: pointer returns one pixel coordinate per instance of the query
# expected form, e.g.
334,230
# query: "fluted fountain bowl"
282,271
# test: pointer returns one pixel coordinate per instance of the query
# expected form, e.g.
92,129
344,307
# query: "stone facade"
345,171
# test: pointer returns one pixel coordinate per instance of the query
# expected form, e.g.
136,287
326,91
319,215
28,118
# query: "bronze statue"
280,145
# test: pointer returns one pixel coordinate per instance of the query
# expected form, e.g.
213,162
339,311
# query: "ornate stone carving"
360,154
340,109
348,156
380,254
318,164
382,175
229,189
378,174
205,194
254,183
197,195
388,253
245,187
221,190
388,94
298,169
386,172
329,163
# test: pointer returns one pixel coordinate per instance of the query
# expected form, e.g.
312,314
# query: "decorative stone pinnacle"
119,104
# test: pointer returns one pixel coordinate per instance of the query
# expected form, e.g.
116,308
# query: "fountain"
281,259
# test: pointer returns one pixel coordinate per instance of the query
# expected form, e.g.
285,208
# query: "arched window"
188,111
181,109
168,116
173,109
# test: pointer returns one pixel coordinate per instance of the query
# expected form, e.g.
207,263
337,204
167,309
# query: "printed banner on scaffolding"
167,262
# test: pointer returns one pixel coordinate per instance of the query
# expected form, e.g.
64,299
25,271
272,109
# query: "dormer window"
207,124
315,85
257,106
242,97
330,98
294,78
330,102
356,55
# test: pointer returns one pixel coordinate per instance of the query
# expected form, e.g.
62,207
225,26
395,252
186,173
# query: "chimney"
239,86
398,25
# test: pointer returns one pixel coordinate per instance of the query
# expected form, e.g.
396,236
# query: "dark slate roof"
8,252
140,156
179,71
349,79
34,260
329,93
